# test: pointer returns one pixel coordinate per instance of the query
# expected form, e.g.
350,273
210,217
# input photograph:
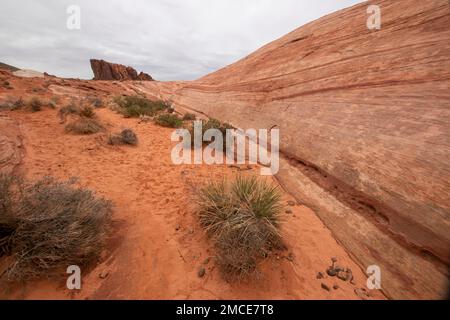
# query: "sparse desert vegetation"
127,136
189,117
87,112
47,225
70,108
135,106
84,126
35,104
169,121
95,101
243,219
53,102
7,85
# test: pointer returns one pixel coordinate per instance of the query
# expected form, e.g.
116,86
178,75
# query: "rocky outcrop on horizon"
5,66
364,119
104,70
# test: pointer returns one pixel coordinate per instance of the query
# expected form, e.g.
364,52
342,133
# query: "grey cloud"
171,40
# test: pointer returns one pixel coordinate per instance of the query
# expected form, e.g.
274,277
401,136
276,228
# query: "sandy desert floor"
158,246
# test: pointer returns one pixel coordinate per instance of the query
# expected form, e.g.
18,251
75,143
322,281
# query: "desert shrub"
170,110
84,126
5,105
96,102
212,124
135,106
48,225
127,136
189,117
53,102
169,121
7,85
243,218
87,112
35,104
18,104
70,108
216,124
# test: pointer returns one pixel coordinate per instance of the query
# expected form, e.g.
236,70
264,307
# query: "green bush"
48,225
169,121
135,106
243,218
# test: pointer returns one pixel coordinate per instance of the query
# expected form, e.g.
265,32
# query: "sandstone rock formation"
104,70
364,118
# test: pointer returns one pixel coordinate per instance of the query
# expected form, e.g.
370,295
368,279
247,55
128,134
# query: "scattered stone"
201,272
362,293
335,287
290,257
325,287
178,227
342,275
104,274
320,275
288,211
331,272
345,275
291,203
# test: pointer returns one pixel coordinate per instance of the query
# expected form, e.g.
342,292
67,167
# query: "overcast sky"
169,39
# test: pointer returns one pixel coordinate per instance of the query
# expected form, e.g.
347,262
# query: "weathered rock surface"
364,118
104,70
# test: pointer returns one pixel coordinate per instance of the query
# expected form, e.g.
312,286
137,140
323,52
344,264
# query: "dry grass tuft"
243,218
84,126
48,225
87,112
127,136
35,104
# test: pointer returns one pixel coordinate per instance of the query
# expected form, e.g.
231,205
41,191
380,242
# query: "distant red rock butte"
104,70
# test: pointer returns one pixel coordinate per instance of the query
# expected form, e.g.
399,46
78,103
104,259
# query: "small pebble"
325,287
